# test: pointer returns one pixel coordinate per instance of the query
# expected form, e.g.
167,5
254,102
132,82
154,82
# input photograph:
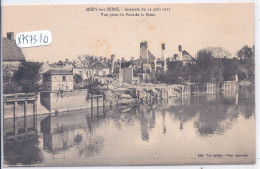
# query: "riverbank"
50,102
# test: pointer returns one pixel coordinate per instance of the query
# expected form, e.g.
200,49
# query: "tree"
207,68
10,86
27,76
8,71
247,60
177,73
246,53
77,78
231,68
86,63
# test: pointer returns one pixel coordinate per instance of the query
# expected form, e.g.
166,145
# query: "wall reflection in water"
21,144
62,132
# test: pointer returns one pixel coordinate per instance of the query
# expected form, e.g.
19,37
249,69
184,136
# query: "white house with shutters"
57,79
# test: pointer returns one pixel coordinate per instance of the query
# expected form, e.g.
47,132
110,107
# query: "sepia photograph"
128,84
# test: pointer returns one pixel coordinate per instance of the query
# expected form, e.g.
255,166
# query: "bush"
77,78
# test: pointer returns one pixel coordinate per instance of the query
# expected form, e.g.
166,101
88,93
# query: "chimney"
10,35
144,51
180,53
112,63
163,49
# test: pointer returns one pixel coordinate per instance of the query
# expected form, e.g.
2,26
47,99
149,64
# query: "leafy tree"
177,73
10,86
27,76
77,78
94,87
231,67
247,60
125,64
207,68
246,53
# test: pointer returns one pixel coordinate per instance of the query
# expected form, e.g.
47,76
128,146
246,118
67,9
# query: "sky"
77,32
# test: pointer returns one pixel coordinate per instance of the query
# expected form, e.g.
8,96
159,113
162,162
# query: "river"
190,130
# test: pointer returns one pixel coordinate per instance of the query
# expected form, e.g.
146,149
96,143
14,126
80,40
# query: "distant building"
147,67
186,57
126,75
161,64
146,58
12,54
183,56
57,79
98,68
80,71
143,51
151,57
218,52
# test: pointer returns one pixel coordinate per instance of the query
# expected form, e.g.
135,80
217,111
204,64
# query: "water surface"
190,130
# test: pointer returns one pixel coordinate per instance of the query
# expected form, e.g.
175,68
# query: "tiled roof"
11,52
58,72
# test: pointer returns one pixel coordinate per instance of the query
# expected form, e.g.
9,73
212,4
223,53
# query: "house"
44,68
98,68
63,65
218,52
186,57
183,56
104,79
80,71
12,54
57,80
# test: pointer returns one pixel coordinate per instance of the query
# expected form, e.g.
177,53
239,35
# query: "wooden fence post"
14,116
25,114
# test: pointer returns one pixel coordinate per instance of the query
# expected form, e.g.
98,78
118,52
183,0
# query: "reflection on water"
24,152
138,131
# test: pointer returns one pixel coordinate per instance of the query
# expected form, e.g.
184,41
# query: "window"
63,78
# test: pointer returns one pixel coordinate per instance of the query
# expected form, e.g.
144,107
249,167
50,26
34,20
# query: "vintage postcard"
126,84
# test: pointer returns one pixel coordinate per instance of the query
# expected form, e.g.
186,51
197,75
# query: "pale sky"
77,32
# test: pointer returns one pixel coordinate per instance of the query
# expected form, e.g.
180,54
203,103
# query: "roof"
58,72
44,68
11,52
150,56
99,65
186,55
